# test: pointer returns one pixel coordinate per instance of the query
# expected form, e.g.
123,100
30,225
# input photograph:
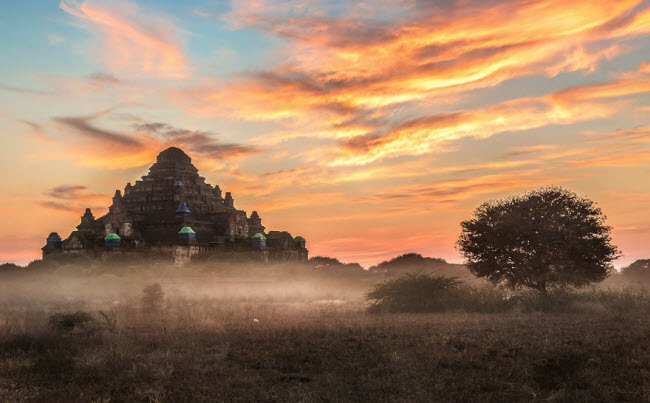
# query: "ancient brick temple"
172,210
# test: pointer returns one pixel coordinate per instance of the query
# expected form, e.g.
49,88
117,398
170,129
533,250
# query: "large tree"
546,237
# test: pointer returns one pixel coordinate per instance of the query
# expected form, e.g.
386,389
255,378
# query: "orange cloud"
424,135
349,78
645,67
134,45
363,64
301,200
135,143
458,189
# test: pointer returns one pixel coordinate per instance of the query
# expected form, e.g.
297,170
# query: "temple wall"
288,255
146,220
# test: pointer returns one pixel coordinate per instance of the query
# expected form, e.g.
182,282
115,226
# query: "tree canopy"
328,263
549,236
409,261
638,271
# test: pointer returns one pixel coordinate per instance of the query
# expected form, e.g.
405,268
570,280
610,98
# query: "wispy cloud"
105,78
55,39
423,135
133,142
74,192
200,143
22,90
348,78
83,126
135,43
52,205
439,192
74,199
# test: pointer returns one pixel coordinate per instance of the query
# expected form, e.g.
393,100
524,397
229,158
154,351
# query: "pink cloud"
133,44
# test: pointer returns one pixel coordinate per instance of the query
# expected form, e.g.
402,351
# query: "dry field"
284,335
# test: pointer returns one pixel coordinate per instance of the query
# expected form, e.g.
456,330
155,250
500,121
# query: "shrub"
330,263
415,293
67,322
152,298
638,271
109,320
409,261
429,293
10,266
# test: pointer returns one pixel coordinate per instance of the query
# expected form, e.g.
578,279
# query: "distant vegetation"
430,293
67,322
330,263
415,293
410,262
638,271
7,267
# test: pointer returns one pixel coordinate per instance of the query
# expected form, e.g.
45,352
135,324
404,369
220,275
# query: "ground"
306,342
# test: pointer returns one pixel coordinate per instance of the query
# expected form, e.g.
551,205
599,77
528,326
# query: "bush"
409,261
67,322
638,271
152,298
415,293
10,266
429,293
330,263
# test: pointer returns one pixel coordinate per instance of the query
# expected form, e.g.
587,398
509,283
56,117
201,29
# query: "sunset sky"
372,129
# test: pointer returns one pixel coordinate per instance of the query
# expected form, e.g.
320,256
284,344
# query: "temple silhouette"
173,211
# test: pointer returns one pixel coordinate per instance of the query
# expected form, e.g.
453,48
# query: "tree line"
545,238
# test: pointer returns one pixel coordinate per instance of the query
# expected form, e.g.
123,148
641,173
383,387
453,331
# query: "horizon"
372,130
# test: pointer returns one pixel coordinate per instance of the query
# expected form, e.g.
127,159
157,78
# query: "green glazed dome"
112,237
186,230
259,236
299,239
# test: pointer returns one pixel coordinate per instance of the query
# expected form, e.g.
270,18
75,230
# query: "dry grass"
267,336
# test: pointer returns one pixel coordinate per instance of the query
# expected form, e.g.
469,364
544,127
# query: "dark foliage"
547,237
10,267
152,298
67,322
638,271
37,265
415,293
409,262
329,263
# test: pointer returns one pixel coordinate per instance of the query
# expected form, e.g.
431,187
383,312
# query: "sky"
372,129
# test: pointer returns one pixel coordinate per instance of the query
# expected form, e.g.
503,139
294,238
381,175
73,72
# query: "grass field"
265,337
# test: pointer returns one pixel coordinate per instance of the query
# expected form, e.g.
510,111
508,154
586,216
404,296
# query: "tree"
152,298
330,263
638,271
547,237
409,261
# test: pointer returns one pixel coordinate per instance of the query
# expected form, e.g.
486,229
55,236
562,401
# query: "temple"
173,211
